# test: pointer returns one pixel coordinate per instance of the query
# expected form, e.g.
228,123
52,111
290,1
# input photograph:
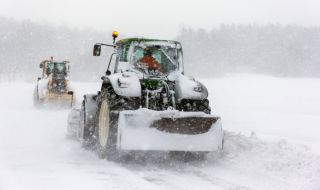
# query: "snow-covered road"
272,142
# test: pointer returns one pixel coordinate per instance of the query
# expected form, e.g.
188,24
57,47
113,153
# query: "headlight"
123,84
198,89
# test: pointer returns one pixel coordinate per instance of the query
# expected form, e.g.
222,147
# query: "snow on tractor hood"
128,84
188,88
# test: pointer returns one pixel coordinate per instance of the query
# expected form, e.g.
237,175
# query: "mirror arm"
102,44
110,61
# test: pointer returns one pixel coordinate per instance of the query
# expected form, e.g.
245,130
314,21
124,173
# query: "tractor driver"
149,61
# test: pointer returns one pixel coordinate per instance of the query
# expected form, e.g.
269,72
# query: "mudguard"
189,88
125,84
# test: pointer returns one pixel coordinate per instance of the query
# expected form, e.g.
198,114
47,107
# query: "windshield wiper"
168,57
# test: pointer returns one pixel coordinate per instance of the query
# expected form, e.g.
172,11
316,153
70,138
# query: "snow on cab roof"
128,41
53,61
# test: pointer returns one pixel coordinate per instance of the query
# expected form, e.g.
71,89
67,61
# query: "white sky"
162,18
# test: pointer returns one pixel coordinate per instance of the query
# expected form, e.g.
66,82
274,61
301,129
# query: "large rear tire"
106,132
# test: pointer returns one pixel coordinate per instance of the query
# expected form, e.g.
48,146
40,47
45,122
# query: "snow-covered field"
272,129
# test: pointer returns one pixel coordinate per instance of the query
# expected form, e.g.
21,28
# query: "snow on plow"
172,130
63,98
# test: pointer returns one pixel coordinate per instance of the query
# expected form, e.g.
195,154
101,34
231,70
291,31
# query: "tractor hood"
130,84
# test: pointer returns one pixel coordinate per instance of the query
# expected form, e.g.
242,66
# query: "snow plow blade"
173,130
65,99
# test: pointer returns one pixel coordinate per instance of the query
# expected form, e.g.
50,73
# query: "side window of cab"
123,52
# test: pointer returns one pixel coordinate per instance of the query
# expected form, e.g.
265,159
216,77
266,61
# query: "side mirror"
41,65
39,78
96,50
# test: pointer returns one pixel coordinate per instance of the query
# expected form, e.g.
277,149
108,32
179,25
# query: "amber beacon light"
114,35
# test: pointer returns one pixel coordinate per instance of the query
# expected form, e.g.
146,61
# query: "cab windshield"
155,59
56,68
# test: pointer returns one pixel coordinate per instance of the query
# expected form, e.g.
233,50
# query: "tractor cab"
54,69
149,56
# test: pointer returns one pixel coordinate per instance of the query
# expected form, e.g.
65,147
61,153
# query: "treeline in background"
277,50
24,44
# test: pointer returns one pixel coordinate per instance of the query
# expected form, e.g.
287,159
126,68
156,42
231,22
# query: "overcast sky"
162,18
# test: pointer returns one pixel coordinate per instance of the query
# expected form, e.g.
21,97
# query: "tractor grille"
58,86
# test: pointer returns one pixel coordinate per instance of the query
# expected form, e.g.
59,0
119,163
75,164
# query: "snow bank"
273,108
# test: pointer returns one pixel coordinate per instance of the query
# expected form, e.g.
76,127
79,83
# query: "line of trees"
24,44
290,51
278,50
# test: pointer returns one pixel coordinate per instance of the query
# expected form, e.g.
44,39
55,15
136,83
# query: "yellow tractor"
53,87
